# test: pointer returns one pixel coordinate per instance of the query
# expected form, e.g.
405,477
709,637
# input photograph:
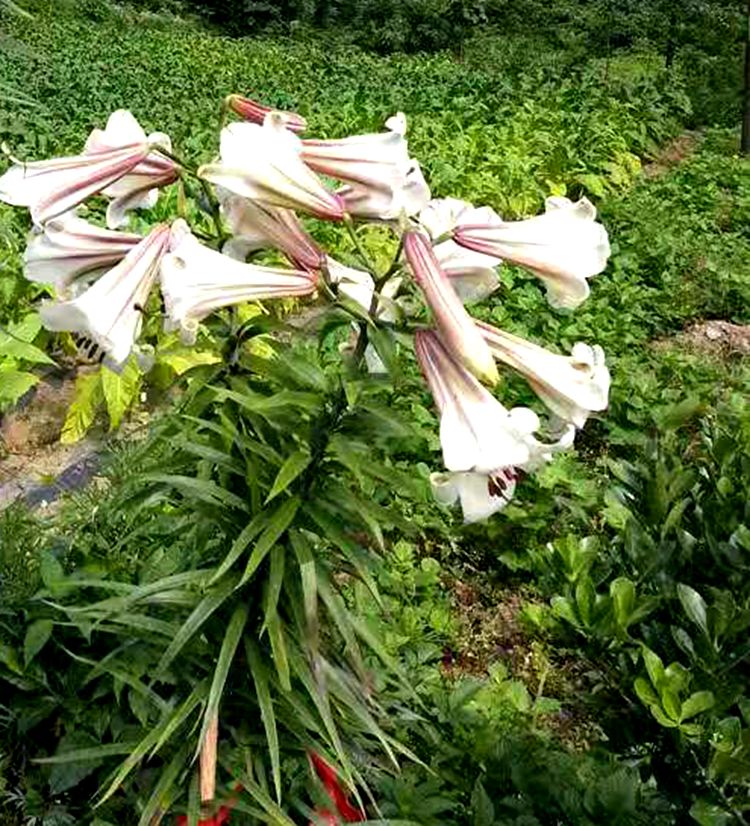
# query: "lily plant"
260,191
267,191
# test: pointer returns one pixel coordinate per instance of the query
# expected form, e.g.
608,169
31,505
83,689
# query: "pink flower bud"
456,327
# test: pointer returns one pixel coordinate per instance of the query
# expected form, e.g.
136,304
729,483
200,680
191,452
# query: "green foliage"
117,392
222,547
17,355
231,561
533,129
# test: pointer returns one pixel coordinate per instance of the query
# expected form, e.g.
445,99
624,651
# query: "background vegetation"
583,658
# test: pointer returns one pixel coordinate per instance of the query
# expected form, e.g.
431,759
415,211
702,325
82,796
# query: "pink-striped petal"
196,281
70,247
50,188
563,247
455,325
139,188
111,311
256,112
571,386
263,163
255,226
476,431
379,160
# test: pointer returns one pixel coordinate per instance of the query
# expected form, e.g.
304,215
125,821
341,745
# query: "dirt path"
34,466
675,152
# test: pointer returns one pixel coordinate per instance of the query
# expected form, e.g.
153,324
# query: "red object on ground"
347,812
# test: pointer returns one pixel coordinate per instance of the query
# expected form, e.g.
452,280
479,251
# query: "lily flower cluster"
264,179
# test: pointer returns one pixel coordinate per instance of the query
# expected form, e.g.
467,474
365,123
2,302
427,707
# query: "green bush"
639,544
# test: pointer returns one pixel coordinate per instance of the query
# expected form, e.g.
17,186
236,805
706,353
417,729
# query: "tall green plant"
276,476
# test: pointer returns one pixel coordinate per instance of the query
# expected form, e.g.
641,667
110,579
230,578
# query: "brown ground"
714,338
672,154
493,629
30,449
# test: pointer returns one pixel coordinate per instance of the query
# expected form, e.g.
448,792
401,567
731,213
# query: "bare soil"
492,629
30,451
716,338
673,153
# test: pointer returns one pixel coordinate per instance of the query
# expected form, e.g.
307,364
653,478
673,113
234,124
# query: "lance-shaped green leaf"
694,605
202,611
277,525
165,790
260,679
294,465
229,645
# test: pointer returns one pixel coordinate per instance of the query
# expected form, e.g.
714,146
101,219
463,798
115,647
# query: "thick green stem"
186,167
395,264
213,205
361,251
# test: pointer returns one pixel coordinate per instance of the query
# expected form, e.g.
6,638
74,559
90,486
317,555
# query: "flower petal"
456,327
472,274
476,431
263,163
256,112
196,280
379,160
70,247
571,386
122,129
256,226
442,215
481,495
356,285
139,188
382,181
110,312
50,188
563,247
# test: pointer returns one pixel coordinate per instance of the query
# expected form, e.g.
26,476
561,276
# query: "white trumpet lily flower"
457,329
388,203
483,494
563,247
111,311
196,280
50,188
477,433
480,494
484,444
383,182
376,160
571,386
263,163
472,274
139,189
70,247
255,226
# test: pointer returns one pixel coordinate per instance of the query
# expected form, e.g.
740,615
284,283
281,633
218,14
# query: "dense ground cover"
613,688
